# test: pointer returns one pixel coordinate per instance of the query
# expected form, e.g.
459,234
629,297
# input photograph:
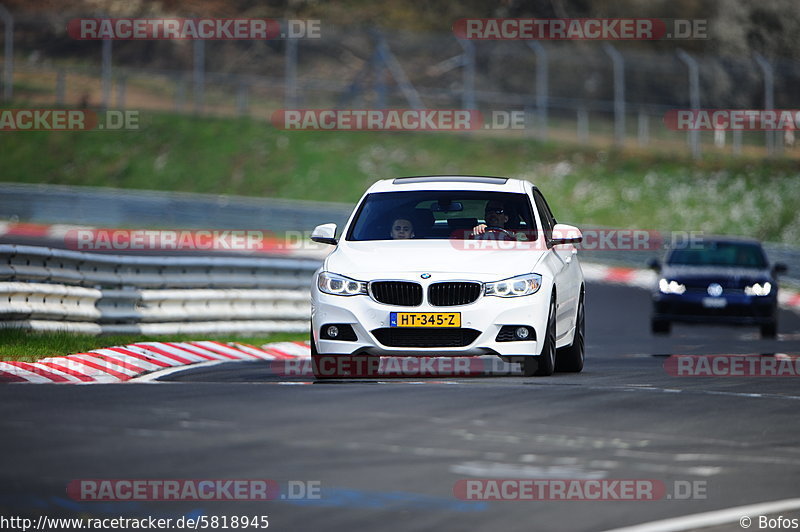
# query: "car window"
438,214
548,220
736,254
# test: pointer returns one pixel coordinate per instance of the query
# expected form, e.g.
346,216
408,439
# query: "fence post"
583,125
377,69
542,83
61,82
180,92
694,97
290,73
769,97
242,99
199,75
122,83
644,128
737,142
8,74
106,74
468,79
618,63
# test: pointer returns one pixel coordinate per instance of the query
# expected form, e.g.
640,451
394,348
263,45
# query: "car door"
565,267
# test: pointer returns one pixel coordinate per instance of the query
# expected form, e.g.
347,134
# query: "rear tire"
659,326
570,359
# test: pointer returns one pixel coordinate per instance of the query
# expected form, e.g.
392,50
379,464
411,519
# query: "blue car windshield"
734,254
441,214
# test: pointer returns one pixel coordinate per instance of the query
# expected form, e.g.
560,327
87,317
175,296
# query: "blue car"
724,280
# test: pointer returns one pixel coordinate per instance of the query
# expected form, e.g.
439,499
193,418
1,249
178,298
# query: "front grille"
453,293
401,293
425,336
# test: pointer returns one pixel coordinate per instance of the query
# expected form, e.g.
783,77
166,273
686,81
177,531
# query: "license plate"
715,302
425,319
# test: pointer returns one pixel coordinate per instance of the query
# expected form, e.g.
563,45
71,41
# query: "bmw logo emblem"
714,290
426,276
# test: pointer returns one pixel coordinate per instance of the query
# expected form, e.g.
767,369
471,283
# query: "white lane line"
718,517
152,377
508,470
638,388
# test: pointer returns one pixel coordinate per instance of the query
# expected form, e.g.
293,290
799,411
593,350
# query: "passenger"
402,228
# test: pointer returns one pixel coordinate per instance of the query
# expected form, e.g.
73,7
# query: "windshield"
440,214
737,254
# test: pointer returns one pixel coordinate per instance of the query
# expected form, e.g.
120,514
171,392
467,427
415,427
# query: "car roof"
729,239
449,182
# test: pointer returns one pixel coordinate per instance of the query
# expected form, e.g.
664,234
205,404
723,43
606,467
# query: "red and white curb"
787,299
125,363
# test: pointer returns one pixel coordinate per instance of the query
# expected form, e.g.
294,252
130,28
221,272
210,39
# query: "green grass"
29,346
586,185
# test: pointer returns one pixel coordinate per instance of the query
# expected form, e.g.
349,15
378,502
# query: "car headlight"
522,285
671,287
339,285
758,289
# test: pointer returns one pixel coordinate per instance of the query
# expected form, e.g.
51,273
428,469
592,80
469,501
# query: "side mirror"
654,265
780,267
325,234
566,234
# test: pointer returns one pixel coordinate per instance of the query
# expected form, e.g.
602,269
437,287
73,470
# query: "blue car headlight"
671,287
758,289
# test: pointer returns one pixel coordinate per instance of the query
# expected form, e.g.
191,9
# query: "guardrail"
110,207
54,289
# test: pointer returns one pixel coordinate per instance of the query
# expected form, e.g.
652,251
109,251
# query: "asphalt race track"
387,454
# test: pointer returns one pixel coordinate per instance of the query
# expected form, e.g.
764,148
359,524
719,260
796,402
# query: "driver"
495,216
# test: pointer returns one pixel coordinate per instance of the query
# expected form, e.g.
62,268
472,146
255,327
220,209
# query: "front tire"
570,359
769,330
544,364
659,326
342,366
316,359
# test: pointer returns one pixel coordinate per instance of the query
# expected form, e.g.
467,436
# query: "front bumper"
485,317
738,308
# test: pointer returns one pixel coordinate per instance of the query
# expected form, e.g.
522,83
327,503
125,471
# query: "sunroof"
451,178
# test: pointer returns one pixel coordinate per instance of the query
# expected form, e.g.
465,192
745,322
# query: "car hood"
727,277
392,258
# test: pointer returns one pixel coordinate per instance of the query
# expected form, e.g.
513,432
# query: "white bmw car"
450,266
